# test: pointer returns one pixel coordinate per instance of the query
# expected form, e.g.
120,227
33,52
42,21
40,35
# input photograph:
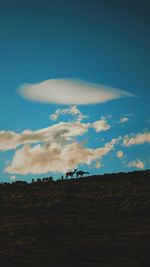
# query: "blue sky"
100,42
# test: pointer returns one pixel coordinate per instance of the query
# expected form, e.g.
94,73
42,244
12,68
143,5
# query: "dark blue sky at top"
71,38
101,41
105,42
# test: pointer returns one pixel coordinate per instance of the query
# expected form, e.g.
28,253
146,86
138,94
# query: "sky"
74,87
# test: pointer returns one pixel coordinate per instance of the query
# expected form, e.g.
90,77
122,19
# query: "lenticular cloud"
63,91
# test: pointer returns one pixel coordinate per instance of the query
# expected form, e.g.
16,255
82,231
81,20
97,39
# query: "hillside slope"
86,222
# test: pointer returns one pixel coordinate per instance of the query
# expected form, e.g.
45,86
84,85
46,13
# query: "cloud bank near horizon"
55,158
70,92
57,148
137,164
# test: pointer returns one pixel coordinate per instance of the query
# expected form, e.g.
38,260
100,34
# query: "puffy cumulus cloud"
70,92
56,133
136,163
137,139
101,125
73,110
55,158
8,140
120,154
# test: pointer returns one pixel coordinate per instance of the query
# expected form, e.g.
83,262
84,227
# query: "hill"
86,222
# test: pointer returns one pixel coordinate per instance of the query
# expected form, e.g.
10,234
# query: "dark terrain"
85,222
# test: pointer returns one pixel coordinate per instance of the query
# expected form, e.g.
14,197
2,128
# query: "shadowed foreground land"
88,222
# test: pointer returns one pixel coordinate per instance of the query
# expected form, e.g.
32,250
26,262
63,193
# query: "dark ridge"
100,220
88,178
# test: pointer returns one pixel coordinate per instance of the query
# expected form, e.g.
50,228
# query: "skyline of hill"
92,221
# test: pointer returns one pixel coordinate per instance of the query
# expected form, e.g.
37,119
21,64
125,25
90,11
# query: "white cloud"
136,163
13,177
123,120
120,154
56,133
55,115
137,139
101,125
59,132
70,92
73,110
8,140
55,158
98,165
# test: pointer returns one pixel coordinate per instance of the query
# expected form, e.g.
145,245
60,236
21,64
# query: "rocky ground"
85,222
